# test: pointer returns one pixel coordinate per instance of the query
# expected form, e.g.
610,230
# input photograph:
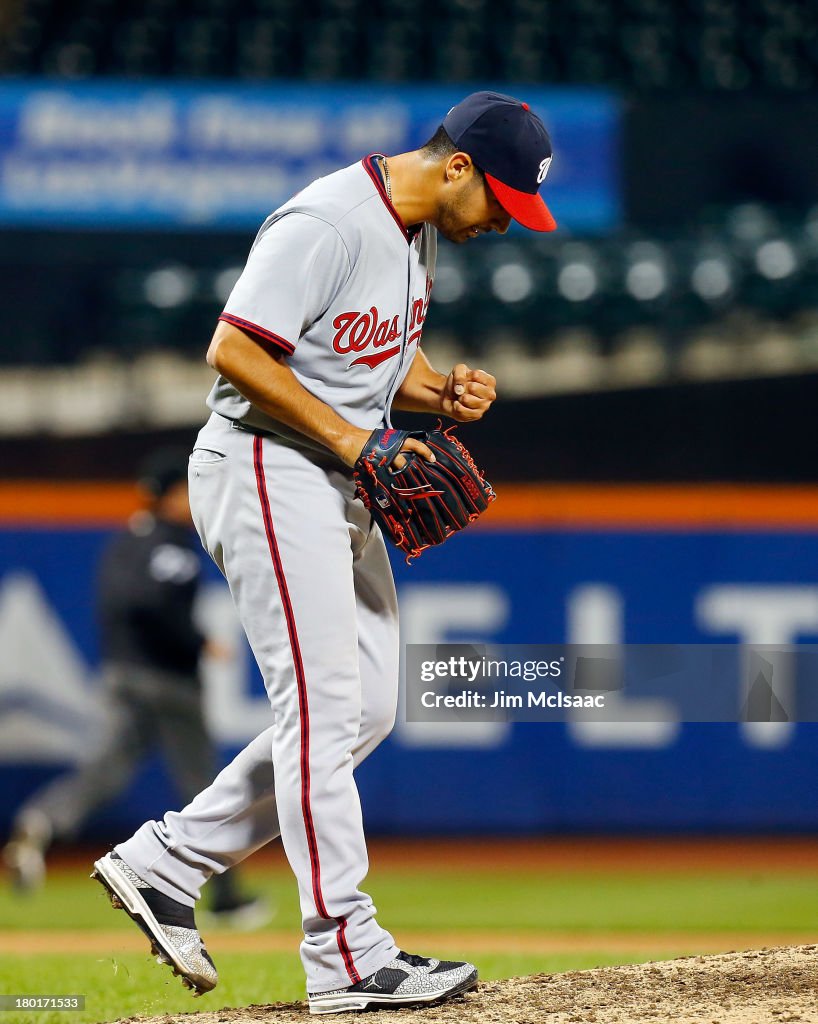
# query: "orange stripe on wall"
564,506
28,503
655,506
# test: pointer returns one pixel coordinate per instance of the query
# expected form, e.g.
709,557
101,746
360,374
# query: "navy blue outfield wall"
503,586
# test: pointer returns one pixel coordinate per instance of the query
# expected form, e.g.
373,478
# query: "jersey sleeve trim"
259,333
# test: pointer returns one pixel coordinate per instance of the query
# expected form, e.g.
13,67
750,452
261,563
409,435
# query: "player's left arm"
464,395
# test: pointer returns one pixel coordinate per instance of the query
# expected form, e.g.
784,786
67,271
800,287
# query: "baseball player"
317,345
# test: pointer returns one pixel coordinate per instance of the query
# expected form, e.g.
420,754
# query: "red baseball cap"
510,145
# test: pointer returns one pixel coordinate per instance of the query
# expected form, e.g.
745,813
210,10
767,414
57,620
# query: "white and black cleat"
405,981
168,924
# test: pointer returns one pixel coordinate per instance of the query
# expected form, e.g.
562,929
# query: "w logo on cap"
544,170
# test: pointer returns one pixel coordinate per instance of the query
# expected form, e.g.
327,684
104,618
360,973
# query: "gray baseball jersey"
320,286
335,283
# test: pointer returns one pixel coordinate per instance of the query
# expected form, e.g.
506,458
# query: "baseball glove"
423,503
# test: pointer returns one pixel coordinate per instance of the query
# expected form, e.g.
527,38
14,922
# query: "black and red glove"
423,503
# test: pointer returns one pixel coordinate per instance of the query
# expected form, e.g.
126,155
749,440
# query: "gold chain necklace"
386,180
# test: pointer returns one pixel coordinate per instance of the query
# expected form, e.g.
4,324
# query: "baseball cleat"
168,924
405,981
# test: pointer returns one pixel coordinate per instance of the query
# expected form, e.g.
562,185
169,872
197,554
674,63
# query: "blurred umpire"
151,646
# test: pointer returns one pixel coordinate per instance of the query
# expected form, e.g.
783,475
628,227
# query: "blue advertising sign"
648,770
222,156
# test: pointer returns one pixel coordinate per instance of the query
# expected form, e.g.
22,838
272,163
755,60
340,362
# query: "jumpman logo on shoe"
405,981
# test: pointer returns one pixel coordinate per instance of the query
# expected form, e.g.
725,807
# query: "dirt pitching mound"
765,986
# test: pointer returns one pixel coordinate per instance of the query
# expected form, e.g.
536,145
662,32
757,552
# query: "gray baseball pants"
311,580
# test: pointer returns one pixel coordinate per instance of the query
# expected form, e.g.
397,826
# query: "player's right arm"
265,379
295,269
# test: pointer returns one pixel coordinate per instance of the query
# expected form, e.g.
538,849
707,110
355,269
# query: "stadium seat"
641,45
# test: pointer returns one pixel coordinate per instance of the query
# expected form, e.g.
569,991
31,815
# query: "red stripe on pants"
304,714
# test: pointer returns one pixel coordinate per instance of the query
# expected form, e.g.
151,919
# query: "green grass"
622,903
483,901
122,986
523,903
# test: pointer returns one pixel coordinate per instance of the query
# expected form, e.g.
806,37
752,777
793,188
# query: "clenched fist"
467,394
